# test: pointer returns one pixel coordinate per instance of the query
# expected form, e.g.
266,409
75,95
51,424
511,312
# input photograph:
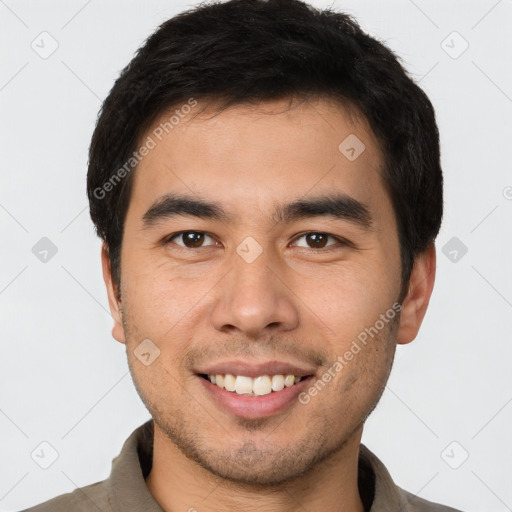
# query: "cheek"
167,308
157,297
349,300
365,364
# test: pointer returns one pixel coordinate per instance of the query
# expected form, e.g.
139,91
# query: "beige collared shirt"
125,489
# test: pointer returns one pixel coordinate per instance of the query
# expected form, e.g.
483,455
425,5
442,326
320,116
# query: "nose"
255,299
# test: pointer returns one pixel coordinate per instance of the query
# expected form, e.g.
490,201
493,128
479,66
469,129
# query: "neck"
178,483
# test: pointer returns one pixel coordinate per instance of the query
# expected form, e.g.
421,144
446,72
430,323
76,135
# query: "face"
255,247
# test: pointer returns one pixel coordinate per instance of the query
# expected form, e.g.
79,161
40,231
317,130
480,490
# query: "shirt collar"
128,490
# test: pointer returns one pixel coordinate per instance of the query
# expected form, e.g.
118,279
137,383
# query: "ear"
113,302
416,301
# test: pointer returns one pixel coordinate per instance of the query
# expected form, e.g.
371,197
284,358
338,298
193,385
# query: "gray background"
65,381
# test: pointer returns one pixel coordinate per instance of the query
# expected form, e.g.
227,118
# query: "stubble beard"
254,465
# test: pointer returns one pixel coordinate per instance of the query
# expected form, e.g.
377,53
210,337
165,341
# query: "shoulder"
417,504
90,498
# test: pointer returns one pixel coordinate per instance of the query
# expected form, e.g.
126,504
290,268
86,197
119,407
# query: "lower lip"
250,407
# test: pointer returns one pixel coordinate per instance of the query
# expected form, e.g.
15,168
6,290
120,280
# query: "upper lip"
255,369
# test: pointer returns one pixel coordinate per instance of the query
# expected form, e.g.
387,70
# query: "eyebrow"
337,206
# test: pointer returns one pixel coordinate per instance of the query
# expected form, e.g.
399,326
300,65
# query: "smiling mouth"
258,386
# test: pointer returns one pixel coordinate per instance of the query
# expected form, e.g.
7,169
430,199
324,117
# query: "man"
266,181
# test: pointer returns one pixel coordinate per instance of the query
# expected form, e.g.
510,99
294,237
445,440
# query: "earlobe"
113,302
416,301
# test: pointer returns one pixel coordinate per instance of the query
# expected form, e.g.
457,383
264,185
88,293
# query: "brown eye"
189,239
317,240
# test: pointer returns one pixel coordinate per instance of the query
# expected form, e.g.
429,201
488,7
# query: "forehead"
251,157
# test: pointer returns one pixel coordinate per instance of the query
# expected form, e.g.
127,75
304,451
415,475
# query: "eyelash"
341,241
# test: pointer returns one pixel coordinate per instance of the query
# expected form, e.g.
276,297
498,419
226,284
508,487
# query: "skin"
295,302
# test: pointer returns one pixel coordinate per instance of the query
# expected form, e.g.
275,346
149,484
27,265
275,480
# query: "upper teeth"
262,385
